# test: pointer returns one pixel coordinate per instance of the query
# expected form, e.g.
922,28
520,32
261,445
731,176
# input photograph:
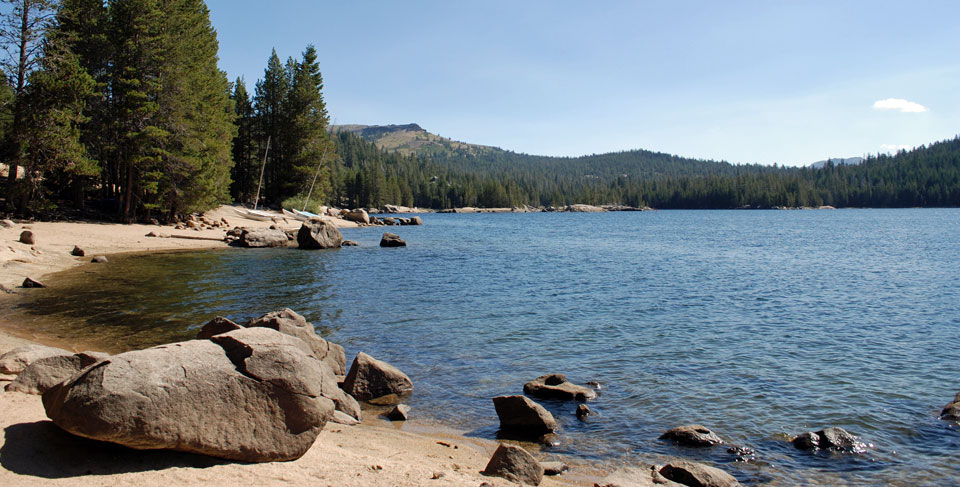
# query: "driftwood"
186,237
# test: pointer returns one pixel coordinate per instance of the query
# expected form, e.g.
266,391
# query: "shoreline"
375,452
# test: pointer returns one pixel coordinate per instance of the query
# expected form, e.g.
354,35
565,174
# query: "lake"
757,324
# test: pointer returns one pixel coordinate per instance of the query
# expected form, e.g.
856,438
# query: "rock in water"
522,416
416,220
218,325
250,395
951,412
555,386
28,237
261,238
392,240
836,439
514,464
583,411
291,323
359,216
14,361
693,435
316,234
696,474
370,378
47,372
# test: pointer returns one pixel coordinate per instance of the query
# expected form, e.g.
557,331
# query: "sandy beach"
35,452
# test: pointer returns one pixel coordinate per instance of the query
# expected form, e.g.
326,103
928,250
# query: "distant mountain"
838,161
412,139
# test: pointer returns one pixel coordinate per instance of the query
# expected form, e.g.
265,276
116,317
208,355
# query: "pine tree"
309,143
245,165
269,98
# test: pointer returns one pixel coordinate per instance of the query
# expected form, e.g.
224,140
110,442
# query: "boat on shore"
300,215
258,215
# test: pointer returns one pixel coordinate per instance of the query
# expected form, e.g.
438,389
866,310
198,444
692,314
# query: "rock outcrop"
370,378
14,361
521,416
697,475
834,439
318,234
514,464
250,395
555,386
291,323
47,372
694,435
392,240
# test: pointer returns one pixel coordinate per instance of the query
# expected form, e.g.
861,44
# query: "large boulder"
47,372
514,464
260,238
392,240
697,475
693,435
555,386
642,476
318,234
14,361
520,415
250,395
291,323
359,216
370,378
835,439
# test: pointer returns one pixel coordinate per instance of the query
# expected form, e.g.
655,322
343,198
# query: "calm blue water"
756,324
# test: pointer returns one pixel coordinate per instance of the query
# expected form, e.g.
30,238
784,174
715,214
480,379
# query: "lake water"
757,324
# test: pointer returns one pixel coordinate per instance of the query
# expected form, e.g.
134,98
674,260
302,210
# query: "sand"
33,451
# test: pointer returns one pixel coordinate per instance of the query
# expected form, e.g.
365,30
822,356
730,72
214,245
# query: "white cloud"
900,105
894,148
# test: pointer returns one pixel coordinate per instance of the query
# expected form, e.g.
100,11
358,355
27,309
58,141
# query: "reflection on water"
759,325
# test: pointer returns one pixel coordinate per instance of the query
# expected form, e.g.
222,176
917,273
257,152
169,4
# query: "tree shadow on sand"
41,449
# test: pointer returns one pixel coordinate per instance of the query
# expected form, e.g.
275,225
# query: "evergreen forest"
117,109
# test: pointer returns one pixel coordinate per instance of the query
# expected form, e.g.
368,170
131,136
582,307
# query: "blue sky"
753,81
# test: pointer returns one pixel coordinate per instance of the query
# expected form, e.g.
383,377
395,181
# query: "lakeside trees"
128,102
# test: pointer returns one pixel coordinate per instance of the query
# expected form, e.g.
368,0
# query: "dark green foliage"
245,170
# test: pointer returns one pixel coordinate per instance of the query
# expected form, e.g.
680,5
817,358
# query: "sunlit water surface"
757,324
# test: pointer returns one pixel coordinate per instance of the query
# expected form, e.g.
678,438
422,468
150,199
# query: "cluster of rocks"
578,208
363,218
313,234
200,222
196,396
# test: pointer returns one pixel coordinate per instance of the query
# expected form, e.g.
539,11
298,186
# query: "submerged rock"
692,435
520,415
370,378
198,396
514,464
834,439
555,386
